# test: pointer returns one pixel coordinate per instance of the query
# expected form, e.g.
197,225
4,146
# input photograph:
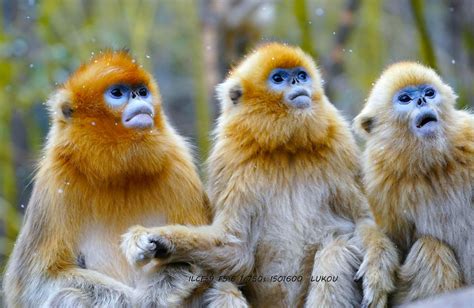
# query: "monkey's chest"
293,224
99,247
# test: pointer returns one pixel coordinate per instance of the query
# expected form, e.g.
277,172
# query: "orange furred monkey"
111,161
419,178
284,185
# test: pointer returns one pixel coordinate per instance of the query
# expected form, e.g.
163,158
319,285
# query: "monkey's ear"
364,124
60,106
235,93
229,92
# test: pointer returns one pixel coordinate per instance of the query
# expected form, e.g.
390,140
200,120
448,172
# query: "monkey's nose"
134,95
421,101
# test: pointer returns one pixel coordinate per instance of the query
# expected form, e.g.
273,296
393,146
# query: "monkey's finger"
163,248
362,270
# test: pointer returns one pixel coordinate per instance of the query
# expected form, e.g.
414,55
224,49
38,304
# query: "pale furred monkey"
419,177
283,180
111,161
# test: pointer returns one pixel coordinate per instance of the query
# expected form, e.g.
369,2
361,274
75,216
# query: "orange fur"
285,188
421,190
280,123
97,178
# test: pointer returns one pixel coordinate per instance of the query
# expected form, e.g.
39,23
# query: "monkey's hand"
140,245
378,268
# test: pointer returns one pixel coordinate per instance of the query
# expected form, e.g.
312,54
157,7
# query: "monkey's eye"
143,92
404,98
302,76
430,92
116,92
117,95
277,78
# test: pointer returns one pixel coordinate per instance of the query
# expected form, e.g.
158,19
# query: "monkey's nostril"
134,95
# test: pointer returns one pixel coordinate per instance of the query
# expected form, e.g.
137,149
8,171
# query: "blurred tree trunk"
239,31
455,30
139,28
334,65
200,80
210,12
365,62
426,47
301,14
228,31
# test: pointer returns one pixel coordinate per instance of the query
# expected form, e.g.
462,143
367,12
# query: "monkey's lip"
141,117
424,119
140,120
300,99
298,93
139,114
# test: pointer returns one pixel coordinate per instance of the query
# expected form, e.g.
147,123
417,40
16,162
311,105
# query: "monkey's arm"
43,265
225,247
91,288
379,264
48,273
338,257
430,268
380,258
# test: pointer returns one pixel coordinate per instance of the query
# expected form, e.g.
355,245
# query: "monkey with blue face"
419,101
295,83
112,161
284,186
419,177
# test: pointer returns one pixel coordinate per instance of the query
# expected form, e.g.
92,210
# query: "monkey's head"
408,101
107,113
272,97
111,90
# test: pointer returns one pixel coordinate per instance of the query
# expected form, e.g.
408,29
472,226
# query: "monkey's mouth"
426,124
300,98
426,119
141,117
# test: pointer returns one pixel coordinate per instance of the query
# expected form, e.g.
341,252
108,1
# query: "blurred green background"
190,45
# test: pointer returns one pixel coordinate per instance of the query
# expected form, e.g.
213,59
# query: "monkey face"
275,80
409,103
111,98
418,104
274,98
108,113
136,102
294,83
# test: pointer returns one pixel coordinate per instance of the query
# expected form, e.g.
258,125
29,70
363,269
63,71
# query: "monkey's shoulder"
464,139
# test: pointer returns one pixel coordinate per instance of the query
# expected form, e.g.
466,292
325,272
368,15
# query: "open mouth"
426,119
